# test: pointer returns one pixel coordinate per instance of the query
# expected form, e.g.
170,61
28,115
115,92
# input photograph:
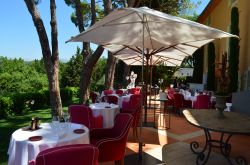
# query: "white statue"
132,77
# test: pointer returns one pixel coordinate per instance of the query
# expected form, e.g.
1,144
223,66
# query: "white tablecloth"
107,113
21,150
125,98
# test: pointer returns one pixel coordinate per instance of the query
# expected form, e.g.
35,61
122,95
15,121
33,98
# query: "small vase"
220,105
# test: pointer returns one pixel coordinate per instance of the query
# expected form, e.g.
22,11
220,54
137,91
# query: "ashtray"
79,131
35,138
107,107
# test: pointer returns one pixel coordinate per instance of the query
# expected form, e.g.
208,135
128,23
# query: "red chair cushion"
108,92
82,114
77,154
111,142
202,102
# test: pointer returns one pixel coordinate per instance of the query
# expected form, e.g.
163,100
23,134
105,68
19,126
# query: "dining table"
209,120
108,111
121,98
25,144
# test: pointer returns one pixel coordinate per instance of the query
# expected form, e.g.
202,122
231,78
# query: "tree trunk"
134,3
110,71
86,74
111,62
51,60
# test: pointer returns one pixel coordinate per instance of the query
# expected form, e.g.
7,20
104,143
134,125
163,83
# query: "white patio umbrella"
140,28
147,28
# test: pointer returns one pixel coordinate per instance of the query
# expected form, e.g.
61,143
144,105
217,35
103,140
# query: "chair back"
119,92
107,92
122,124
111,99
82,114
77,154
202,102
134,108
135,90
112,142
178,100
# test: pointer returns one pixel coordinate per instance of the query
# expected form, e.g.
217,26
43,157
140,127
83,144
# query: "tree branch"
41,31
93,12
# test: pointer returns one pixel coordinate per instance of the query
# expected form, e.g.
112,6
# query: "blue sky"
18,36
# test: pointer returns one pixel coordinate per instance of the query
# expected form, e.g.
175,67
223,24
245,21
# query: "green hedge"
18,103
6,105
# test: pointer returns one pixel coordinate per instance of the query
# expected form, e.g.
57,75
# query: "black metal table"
162,114
208,120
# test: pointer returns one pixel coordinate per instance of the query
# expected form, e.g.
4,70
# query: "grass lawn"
8,126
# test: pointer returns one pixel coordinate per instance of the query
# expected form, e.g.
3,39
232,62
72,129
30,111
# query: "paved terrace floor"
171,146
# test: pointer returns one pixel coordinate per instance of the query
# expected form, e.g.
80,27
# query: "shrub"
39,99
19,102
67,95
98,87
6,104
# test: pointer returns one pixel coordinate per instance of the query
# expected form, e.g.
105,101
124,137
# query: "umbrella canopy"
133,56
148,28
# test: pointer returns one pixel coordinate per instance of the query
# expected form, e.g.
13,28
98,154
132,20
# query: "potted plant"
222,91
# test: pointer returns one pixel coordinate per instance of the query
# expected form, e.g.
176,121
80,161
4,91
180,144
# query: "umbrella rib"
192,45
119,50
168,58
126,16
122,23
166,61
138,50
182,51
150,37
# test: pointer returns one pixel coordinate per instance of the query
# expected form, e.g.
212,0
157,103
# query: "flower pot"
220,105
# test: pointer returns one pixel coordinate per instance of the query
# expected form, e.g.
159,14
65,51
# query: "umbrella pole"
146,92
143,90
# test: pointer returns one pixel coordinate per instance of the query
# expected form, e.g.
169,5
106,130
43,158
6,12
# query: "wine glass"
66,124
66,117
55,119
55,124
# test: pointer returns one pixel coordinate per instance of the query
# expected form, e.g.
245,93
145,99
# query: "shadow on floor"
133,159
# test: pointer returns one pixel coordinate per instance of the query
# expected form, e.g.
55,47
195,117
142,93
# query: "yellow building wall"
220,18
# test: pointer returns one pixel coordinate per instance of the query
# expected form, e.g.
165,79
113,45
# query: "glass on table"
67,123
55,123
105,99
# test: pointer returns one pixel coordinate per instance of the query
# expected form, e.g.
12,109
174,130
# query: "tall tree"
234,49
111,62
89,59
198,65
71,74
51,57
211,67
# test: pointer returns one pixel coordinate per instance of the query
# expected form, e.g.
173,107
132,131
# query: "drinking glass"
55,124
105,99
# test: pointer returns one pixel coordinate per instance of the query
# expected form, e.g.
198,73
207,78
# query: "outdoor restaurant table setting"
25,144
193,97
125,97
108,111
